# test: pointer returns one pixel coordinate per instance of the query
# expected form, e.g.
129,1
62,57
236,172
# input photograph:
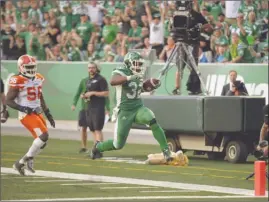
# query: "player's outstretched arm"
119,79
47,111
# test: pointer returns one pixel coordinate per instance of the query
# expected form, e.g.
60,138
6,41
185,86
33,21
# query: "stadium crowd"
105,30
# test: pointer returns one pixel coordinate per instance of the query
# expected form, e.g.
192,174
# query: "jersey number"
135,93
33,93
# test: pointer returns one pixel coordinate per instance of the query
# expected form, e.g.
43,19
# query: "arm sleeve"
107,104
201,19
78,93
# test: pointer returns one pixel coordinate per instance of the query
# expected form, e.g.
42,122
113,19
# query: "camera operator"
195,20
263,144
234,88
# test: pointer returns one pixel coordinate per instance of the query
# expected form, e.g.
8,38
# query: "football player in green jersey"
130,109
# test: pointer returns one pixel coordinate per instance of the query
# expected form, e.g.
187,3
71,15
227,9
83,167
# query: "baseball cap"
156,15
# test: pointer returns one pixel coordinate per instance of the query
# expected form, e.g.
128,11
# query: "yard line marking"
23,177
122,180
53,180
189,167
85,184
229,177
138,198
168,191
129,187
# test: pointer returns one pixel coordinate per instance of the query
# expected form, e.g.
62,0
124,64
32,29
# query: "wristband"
128,78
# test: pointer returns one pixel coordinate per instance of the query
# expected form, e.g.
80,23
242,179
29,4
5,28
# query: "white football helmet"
27,66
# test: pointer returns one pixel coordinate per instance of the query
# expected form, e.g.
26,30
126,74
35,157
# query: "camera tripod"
178,51
266,172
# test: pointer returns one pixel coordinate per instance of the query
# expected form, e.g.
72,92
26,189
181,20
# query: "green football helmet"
135,62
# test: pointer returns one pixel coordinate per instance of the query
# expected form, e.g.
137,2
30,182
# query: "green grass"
62,155
39,190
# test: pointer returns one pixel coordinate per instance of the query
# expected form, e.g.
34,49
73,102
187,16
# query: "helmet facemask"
29,70
138,67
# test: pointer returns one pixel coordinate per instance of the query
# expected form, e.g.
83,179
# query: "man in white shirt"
95,12
156,25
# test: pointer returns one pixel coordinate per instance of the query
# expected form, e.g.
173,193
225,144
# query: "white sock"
34,149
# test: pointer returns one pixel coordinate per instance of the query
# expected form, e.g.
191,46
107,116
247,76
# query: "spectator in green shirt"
247,6
66,19
74,52
233,48
109,31
82,122
134,34
85,30
27,37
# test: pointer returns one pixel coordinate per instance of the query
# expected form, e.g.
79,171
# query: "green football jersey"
128,94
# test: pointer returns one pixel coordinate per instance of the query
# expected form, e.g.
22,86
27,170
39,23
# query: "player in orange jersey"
25,95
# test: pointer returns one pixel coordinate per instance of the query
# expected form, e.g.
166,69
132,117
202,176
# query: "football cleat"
167,155
19,167
95,153
30,165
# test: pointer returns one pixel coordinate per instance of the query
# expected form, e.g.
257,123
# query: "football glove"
4,115
49,117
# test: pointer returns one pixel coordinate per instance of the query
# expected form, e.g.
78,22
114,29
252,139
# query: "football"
151,84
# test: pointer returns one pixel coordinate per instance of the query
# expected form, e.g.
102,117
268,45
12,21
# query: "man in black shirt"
97,91
193,83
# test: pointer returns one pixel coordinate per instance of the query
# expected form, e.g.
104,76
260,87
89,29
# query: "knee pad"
44,137
153,121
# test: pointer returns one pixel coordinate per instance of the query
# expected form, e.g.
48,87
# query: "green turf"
61,155
25,189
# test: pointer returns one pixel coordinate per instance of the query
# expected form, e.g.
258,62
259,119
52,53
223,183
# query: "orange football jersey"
30,90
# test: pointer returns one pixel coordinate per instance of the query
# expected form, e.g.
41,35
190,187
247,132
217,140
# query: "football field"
62,174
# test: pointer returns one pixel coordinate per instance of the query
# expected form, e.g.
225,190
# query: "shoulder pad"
17,81
40,76
120,70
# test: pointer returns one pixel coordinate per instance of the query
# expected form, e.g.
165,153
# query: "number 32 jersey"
128,94
30,90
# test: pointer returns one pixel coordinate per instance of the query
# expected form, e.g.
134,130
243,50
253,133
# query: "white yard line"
168,191
137,198
173,185
128,187
53,180
22,177
85,184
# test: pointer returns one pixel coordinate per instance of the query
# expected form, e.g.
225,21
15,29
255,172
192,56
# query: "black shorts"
96,119
82,119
